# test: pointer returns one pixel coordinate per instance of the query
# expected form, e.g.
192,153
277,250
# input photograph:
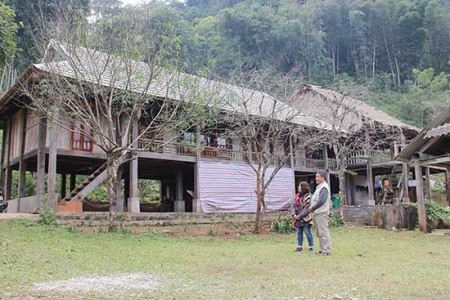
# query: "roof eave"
409,151
9,95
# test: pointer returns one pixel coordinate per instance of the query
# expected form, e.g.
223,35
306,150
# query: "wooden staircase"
87,186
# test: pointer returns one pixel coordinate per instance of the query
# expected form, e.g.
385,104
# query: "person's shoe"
325,254
319,252
311,249
299,249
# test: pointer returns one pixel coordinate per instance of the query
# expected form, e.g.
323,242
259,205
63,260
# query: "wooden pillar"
8,171
22,163
292,163
179,202
405,172
370,184
126,187
447,184
327,163
40,167
73,181
133,180
348,190
22,182
405,179
428,183
395,150
196,203
52,193
2,178
63,185
291,153
420,199
8,183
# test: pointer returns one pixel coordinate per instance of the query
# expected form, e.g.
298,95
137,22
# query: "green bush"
282,225
436,211
336,220
48,217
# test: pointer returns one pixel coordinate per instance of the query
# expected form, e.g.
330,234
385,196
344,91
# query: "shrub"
282,225
48,217
436,211
336,220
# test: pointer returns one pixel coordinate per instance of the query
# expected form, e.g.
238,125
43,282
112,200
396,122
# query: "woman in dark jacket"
302,201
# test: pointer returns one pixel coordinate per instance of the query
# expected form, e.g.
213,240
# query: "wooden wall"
64,141
31,131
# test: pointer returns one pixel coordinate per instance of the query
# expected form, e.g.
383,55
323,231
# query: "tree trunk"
342,187
343,191
259,205
374,57
394,77
112,167
398,70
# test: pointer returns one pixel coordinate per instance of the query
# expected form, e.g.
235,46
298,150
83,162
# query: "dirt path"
100,284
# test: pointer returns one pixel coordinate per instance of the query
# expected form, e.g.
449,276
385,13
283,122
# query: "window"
79,140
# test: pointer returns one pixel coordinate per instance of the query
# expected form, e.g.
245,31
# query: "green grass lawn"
366,264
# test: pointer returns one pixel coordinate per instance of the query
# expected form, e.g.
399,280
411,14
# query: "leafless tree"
353,136
110,77
260,116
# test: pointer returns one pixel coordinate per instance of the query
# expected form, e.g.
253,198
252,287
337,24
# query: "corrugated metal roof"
104,69
419,141
438,131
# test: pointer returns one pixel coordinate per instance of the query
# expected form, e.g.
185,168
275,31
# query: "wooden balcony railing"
310,163
360,157
379,156
159,146
332,164
219,153
222,153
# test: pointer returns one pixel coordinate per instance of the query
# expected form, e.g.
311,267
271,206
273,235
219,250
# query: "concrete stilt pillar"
179,202
196,204
133,180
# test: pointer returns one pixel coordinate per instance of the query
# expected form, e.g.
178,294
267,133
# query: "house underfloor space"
148,185
162,186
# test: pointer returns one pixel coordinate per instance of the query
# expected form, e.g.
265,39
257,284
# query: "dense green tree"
8,31
31,14
377,44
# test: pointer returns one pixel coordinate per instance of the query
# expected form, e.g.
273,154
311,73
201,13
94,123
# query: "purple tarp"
230,187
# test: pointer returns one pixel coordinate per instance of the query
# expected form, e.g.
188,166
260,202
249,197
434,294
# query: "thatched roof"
326,104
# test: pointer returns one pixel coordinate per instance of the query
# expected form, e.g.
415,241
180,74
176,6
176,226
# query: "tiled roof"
104,69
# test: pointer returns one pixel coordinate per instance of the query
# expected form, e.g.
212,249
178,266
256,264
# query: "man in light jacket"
320,210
